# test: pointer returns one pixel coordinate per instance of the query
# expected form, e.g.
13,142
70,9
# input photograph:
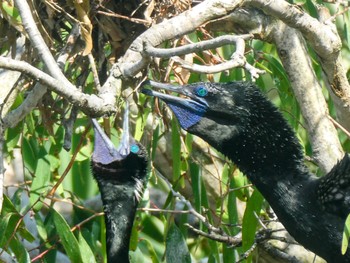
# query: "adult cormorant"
121,175
237,120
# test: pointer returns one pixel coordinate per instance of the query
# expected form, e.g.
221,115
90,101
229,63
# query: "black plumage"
240,122
121,175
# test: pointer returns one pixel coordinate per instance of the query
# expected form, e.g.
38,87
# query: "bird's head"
224,109
116,164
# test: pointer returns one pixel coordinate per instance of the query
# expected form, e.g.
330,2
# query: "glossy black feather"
242,124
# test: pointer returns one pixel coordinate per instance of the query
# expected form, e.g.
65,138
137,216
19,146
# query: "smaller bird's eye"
134,148
201,91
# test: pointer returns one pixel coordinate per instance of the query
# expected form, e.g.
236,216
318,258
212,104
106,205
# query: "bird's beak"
190,102
104,150
124,147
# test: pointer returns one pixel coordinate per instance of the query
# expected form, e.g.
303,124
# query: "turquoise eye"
201,91
134,148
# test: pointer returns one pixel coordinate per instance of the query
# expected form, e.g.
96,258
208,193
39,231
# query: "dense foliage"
51,208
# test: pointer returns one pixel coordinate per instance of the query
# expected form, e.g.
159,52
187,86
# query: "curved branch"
90,104
149,50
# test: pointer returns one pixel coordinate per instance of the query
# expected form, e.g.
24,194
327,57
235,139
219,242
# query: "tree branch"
324,39
237,59
90,104
133,61
326,147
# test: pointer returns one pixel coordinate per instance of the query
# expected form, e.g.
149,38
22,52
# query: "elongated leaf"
176,149
176,247
137,256
67,238
346,235
7,206
4,225
155,139
140,123
20,251
239,180
250,222
40,182
134,236
40,226
86,253
29,155
151,251
196,185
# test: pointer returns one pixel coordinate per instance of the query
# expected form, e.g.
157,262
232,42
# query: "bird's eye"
201,91
134,148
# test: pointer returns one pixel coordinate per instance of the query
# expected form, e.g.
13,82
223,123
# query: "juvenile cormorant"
121,175
237,120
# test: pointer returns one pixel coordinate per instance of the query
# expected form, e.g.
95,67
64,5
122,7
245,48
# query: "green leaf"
232,210
346,235
5,225
84,153
20,251
86,253
176,150
134,236
12,136
137,256
67,238
29,155
11,11
7,206
140,123
250,222
40,182
9,209
176,248
40,226
239,181
196,182
151,251
155,138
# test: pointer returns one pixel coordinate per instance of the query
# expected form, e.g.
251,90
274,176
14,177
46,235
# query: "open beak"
191,102
104,149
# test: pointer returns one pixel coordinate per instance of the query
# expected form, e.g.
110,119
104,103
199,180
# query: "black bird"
121,175
237,120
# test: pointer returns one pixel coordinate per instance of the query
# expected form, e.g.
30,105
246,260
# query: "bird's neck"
267,152
120,206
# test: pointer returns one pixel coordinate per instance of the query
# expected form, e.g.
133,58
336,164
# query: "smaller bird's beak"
124,147
104,149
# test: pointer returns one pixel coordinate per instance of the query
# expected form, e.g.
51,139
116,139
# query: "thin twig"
233,241
338,125
135,20
146,209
